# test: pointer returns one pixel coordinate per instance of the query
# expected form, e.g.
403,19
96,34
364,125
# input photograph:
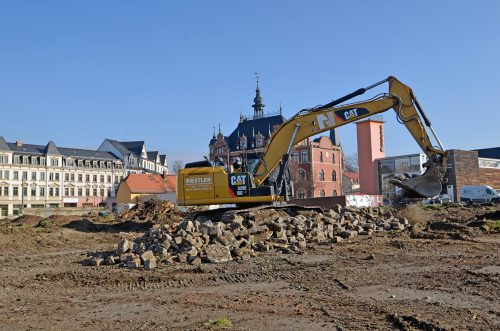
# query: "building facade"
477,167
38,176
315,165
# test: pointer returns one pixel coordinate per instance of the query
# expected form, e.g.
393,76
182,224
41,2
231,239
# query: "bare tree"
351,162
177,165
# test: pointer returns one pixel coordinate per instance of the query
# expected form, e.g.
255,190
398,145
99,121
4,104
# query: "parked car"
478,194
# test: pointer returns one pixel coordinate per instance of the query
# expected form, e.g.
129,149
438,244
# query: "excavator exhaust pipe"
427,185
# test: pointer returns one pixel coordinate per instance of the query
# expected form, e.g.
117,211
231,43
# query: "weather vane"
257,77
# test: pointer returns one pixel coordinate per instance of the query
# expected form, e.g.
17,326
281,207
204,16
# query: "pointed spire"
3,145
258,106
51,149
214,133
219,127
281,110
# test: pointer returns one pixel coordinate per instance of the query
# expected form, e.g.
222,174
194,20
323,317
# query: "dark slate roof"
51,149
152,156
489,153
251,126
133,146
73,152
119,146
163,159
87,154
27,149
3,145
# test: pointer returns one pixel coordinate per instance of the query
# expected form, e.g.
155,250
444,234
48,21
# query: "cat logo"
350,113
238,180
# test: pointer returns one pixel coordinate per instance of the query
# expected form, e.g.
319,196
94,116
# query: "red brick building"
478,167
315,164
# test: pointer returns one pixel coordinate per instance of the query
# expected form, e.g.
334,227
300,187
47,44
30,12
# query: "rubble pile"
156,211
240,235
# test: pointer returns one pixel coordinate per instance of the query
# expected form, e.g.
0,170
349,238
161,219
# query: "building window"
16,159
66,191
54,162
56,176
25,191
42,176
95,178
301,193
321,175
6,174
33,191
101,178
72,177
15,191
15,175
333,158
33,175
25,175
51,192
322,193
56,191
42,191
2,191
80,192
87,192
302,174
95,192
334,193
87,164
25,160
51,176
74,192
295,157
305,156
80,178
87,178
102,192
320,156
334,176
42,161
109,178
66,177
34,160
4,159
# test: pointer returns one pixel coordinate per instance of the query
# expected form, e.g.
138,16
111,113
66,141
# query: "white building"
38,176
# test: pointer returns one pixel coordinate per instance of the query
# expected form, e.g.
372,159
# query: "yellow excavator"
210,183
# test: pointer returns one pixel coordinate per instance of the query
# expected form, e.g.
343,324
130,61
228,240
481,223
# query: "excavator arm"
310,122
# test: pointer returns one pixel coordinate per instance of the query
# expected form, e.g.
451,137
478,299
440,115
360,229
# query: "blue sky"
77,72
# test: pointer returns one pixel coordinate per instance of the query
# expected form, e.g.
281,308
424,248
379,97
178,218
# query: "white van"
478,194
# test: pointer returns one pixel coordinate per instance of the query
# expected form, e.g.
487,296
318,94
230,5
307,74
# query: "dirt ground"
443,275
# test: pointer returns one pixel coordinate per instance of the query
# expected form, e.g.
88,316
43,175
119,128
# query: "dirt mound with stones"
156,211
238,236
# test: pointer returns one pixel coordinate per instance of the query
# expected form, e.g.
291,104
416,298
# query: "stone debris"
156,211
238,236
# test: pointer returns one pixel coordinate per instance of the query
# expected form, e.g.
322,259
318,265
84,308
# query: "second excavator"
269,180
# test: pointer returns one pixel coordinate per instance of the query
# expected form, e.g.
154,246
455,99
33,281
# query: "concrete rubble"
241,235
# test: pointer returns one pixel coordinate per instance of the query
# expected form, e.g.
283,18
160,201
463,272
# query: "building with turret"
315,163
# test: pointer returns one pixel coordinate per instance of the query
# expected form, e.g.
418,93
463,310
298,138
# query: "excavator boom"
310,122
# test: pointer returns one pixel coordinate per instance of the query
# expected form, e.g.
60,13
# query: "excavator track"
226,215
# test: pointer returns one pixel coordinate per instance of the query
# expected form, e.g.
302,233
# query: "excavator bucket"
427,185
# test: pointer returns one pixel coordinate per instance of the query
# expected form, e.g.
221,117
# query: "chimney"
19,143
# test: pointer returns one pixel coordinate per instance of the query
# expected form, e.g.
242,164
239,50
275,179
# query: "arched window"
334,176
302,174
322,193
301,193
333,158
321,175
320,156
334,193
